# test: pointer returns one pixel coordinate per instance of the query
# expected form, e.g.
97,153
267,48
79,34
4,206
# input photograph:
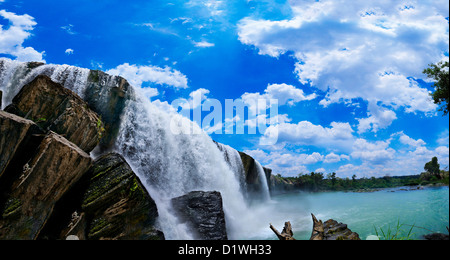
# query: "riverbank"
427,209
317,182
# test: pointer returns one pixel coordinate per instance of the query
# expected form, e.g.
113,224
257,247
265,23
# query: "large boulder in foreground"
52,170
203,213
55,108
15,133
116,203
331,230
108,203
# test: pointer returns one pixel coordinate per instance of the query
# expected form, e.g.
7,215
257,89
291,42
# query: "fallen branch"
286,234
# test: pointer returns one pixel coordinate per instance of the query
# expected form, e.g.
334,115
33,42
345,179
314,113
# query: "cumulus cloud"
69,51
374,50
137,75
404,163
13,37
284,162
404,139
379,118
374,152
285,95
337,137
334,158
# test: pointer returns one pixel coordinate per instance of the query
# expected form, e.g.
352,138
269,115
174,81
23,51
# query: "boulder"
116,204
108,203
55,108
52,170
252,179
203,213
108,95
331,230
15,133
436,236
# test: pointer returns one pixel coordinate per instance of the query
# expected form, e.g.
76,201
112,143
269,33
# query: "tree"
440,73
332,177
433,166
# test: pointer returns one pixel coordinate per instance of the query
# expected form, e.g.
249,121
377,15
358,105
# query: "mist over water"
168,162
171,164
426,209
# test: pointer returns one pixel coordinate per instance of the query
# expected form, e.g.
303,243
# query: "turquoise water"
426,209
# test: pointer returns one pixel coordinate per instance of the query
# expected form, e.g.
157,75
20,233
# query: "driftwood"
330,230
286,234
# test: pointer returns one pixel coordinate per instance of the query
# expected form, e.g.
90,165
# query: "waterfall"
14,75
234,160
173,163
265,193
155,143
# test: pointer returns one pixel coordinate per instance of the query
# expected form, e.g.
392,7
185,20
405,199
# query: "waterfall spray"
169,163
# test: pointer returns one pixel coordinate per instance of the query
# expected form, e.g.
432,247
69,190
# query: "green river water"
427,209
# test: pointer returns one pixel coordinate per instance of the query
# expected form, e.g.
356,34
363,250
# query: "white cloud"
321,170
313,158
334,158
204,44
379,118
69,51
69,29
284,162
212,7
283,93
196,99
359,49
376,153
338,137
404,139
13,37
443,138
137,75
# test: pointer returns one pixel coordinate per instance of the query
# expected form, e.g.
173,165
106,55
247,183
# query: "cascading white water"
234,160
169,162
173,163
14,75
262,178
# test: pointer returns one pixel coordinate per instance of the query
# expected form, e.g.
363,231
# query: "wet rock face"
331,230
14,133
108,96
203,212
55,108
42,183
338,231
252,179
116,204
50,188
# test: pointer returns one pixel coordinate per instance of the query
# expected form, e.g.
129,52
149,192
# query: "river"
427,209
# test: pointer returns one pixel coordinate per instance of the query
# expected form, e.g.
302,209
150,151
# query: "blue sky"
348,74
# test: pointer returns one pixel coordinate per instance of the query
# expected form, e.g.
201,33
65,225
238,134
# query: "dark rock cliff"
203,213
50,188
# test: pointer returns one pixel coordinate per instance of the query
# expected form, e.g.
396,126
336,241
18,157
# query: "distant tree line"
317,181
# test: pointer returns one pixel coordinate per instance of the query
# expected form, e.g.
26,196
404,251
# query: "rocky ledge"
331,230
50,187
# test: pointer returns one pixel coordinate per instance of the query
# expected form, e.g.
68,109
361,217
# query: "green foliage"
440,73
315,182
396,233
433,166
